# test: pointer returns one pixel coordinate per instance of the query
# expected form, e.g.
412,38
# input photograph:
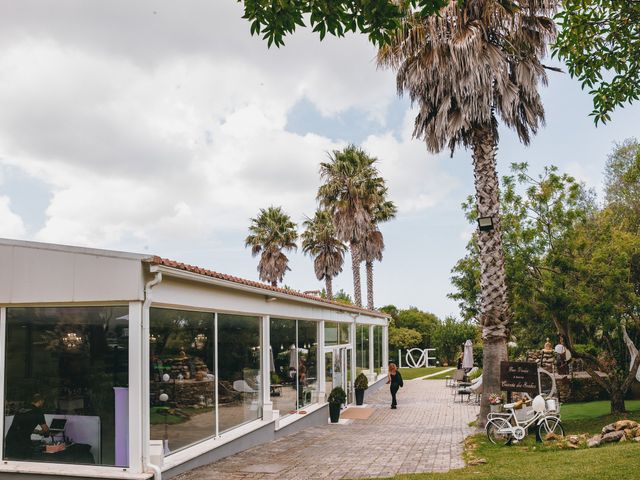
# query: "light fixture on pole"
485,224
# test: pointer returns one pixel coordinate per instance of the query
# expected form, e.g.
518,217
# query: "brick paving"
424,434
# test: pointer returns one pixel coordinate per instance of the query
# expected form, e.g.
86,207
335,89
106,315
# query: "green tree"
402,338
352,187
271,232
319,241
572,270
343,297
622,184
438,60
599,41
424,323
448,337
375,18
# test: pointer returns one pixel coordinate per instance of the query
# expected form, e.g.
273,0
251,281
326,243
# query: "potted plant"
361,384
336,398
495,402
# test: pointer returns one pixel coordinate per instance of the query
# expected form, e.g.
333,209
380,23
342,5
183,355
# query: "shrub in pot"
360,385
336,398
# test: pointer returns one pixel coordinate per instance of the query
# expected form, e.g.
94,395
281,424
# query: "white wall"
31,273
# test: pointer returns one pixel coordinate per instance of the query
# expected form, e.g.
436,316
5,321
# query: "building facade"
144,366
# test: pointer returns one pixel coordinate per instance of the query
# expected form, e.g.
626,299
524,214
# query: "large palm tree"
373,243
350,189
475,62
271,232
319,240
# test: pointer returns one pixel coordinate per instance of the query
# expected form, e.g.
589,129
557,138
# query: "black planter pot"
334,412
359,396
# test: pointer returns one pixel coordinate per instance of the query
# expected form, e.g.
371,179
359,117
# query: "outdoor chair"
243,387
456,378
468,389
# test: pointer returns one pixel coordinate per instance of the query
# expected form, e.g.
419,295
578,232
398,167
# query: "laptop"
57,425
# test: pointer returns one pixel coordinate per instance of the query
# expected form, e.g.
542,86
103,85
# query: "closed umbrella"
467,360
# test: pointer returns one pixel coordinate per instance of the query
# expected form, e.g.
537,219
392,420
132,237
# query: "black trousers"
394,389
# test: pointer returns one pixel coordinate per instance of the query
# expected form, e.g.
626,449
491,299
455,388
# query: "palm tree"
271,232
351,187
373,243
475,62
319,240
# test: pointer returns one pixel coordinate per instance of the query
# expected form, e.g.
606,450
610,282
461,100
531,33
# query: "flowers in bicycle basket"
495,399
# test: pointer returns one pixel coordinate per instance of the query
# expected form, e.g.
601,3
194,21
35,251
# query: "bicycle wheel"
499,431
550,425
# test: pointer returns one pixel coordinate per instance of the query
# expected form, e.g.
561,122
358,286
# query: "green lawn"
411,373
528,459
443,375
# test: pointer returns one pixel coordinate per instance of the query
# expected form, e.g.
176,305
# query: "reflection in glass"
238,370
377,348
336,333
362,347
69,364
285,365
182,383
307,362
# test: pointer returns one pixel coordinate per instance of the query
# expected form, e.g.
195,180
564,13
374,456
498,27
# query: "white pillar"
139,396
353,354
322,367
385,349
372,368
265,361
3,349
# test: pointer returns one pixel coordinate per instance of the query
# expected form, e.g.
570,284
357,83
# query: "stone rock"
636,439
552,436
594,441
624,424
477,461
608,428
614,436
623,438
574,439
629,433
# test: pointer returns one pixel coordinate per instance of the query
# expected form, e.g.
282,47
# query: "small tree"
271,233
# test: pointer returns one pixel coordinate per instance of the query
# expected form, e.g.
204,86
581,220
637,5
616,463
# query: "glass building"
140,366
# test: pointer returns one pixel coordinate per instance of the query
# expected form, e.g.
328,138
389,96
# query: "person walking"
395,381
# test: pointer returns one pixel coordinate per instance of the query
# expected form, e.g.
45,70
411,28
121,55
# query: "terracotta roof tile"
156,260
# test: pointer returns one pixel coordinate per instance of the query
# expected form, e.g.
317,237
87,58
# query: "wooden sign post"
519,377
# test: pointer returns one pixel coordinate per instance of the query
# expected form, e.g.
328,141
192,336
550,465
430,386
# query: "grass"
411,373
442,375
178,416
529,459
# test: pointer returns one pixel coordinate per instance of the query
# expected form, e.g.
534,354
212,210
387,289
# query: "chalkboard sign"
519,377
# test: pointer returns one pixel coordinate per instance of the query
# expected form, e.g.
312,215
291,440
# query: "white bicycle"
503,428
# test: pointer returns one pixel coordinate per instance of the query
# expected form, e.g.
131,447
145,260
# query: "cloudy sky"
162,126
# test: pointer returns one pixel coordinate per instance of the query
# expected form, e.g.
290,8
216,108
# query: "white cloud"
11,224
415,177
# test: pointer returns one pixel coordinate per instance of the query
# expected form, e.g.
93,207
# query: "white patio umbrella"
293,358
467,359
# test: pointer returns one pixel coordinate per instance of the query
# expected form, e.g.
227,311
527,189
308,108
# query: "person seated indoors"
18,443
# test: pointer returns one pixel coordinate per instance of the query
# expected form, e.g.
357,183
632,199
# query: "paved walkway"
424,434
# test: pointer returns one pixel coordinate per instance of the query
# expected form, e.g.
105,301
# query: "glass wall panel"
182,384
336,333
284,365
362,347
238,370
377,348
66,370
307,362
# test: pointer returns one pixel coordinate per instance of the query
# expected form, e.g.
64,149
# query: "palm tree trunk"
355,267
328,282
369,266
494,308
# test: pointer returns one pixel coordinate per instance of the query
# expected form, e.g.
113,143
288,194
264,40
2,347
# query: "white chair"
243,387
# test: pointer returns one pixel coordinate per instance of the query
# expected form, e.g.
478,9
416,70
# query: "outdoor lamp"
163,397
485,224
165,377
